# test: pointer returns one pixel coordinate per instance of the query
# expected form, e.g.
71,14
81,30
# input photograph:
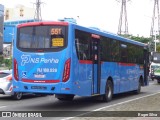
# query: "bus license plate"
39,87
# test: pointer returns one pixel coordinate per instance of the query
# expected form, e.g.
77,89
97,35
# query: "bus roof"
43,23
109,34
87,29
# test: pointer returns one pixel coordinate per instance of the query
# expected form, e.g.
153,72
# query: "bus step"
95,94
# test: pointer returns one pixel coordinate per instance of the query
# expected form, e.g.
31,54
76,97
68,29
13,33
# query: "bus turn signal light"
66,72
15,70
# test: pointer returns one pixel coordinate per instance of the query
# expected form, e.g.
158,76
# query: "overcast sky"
103,14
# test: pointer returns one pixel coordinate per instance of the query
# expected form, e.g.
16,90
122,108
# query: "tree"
1,60
158,47
141,39
8,63
137,38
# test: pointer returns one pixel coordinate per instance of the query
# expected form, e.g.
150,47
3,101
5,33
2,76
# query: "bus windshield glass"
156,68
41,38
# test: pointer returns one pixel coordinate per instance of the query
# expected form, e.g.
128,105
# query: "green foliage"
158,47
137,38
125,35
1,60
6,62
141,39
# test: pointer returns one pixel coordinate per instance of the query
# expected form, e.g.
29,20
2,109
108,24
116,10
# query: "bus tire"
139,87
108,92
17,95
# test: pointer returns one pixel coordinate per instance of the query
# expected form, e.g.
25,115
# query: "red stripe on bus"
42,23
40,81
85,61
127,64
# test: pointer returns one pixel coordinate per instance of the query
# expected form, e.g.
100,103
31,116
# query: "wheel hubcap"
109,92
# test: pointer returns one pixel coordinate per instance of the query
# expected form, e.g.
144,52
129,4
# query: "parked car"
6,86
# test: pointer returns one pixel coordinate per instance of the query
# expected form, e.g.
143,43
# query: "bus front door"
146,67
96,68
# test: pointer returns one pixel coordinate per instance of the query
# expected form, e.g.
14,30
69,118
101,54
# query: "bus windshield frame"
47,34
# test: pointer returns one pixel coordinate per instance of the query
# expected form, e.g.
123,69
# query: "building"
7,50
9,34
1,27
14,16
19,12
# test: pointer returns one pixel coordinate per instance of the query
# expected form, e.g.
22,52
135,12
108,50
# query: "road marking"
111,106
2,107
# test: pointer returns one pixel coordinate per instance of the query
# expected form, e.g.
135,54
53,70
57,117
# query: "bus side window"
81,50
105,44
124,57
115,50
82,43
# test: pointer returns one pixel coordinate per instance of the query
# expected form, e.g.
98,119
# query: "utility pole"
154,17
123,19
155,27
37,15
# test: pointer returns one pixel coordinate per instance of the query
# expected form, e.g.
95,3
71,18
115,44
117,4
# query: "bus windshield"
41,38
156,68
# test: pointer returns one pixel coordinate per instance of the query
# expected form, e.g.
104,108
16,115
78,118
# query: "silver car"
6,86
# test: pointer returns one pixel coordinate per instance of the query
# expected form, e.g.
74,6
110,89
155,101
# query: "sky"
103,14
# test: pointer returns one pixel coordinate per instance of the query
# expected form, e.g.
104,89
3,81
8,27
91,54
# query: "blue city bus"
66,59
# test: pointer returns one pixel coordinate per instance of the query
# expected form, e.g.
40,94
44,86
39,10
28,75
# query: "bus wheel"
108,92
139,87
17,95
65,97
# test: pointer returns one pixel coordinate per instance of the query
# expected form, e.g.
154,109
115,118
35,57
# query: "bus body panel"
81,77
40,72
125,76
83,80
43,74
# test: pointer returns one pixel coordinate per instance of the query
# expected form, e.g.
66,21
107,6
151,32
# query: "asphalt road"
80,104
